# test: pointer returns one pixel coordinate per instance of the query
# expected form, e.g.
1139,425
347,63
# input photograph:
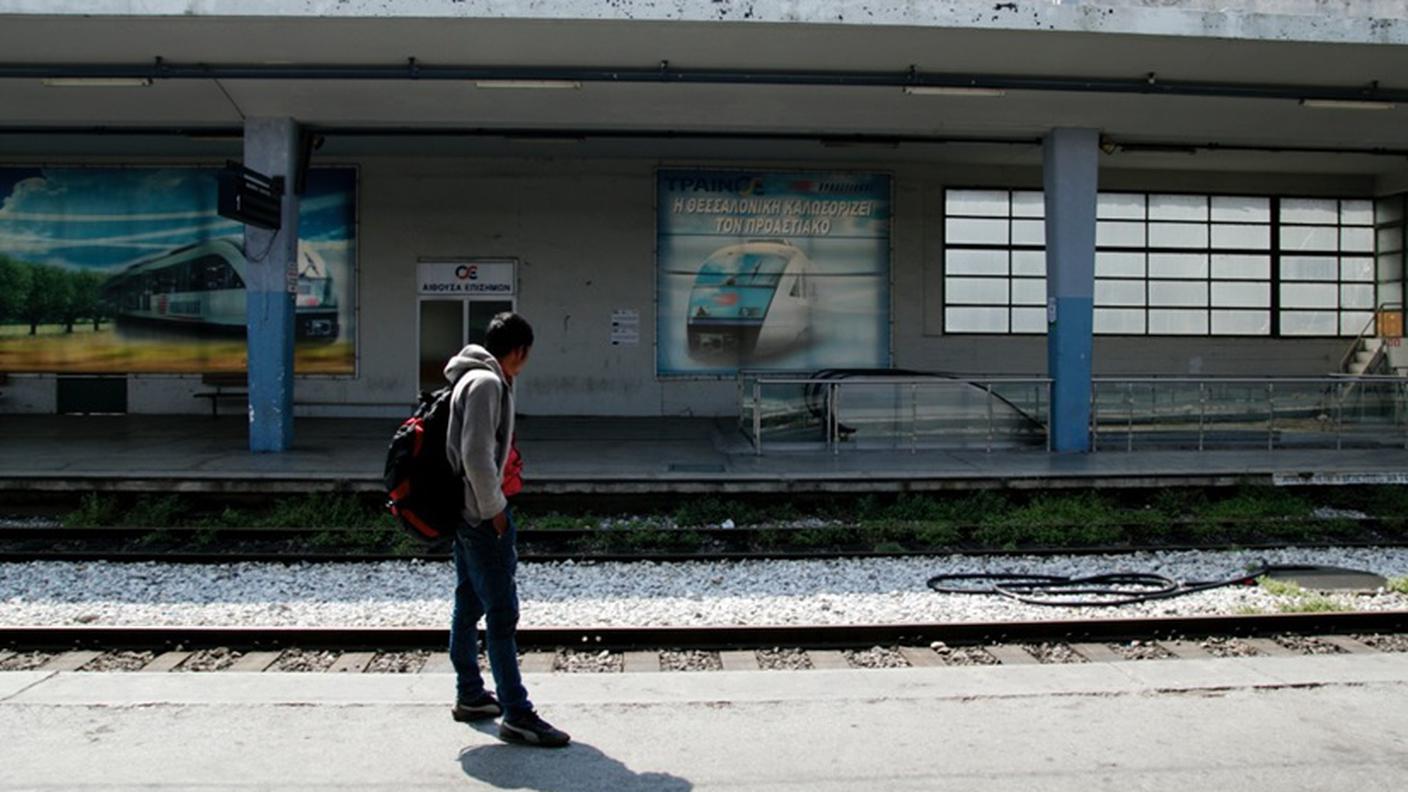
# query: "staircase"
1368,355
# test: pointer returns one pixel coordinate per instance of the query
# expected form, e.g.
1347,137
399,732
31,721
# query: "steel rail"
527,556
710,637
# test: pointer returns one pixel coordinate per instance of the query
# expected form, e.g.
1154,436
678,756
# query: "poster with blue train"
132,270
762,270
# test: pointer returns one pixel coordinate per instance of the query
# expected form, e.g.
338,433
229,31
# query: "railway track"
715,638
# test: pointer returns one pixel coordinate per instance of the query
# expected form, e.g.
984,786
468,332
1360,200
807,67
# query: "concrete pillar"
271,283
1071,171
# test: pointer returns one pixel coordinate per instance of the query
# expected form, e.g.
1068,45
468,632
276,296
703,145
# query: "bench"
226,387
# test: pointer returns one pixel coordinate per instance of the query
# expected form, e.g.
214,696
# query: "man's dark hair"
507,331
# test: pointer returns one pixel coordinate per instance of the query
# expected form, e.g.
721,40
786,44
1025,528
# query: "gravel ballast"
754,592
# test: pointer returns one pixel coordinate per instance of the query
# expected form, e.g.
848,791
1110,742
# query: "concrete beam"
271,285
1337,21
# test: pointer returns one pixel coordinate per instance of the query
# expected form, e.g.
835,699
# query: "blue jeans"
485,564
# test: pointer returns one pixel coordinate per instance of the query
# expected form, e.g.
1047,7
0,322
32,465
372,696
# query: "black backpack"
424,494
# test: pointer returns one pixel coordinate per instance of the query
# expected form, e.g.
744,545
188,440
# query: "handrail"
893,380
1321,380
1363,333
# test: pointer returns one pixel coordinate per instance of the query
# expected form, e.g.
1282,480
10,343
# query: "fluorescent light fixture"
1346,104
97,82
947,90
530,84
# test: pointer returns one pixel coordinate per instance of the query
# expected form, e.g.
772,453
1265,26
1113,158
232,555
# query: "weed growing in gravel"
1314,603
557,522
1398,585
1244,516
322,510
153,512
1280,588
1249,610
1085,519
94,511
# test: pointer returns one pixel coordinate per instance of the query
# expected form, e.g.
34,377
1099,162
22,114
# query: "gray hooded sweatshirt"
481,426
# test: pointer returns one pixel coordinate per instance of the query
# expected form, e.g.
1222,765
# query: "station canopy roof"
735,118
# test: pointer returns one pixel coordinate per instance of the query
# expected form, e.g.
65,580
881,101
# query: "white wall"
584,232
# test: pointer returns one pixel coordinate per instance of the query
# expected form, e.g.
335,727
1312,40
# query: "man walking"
478,445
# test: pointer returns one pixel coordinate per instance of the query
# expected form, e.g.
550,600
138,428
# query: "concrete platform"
608,455
1303,723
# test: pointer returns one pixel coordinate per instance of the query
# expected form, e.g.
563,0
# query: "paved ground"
1303,723
602,454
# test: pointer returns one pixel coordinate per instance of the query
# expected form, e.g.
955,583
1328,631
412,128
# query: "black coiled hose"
1115,588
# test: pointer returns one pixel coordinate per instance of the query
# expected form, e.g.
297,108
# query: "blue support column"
271,283
1071,175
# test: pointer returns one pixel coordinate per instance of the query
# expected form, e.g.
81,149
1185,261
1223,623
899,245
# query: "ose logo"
467,272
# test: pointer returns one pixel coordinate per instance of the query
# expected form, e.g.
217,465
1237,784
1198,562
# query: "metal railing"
1370,327
1249,412
894,412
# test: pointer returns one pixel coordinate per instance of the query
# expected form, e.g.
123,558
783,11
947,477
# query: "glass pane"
1309,322
1119,234
1390,239
1389,210
1119,321
1309,268
959,231
1389,269
1241,323
1241,294
1178,207
1120,206
1178,235
441,336
975,262
1241,209
1310,210
1027,203
975,320
1029,232
1115,292
1029,291
1352,323
1241,267
976,202
1357,213
1309,295
1358,269
982,291
1178,265
1357,296
1309,238
1178,293
1255,237
480,313
1029,320
1127,265
1391,292
1029,262
1173,322
1357,240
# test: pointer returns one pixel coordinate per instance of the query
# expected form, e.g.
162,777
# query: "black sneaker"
532,730
481,707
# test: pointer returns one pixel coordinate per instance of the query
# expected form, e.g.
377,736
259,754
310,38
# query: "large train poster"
132,270
772,270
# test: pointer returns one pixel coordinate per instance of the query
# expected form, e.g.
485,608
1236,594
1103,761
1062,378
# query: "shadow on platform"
579,767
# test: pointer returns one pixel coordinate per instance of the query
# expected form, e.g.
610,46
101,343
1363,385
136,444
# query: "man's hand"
501,523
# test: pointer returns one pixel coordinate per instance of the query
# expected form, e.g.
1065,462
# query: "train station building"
896,224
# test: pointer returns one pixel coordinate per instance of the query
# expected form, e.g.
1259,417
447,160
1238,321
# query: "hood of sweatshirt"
472,358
